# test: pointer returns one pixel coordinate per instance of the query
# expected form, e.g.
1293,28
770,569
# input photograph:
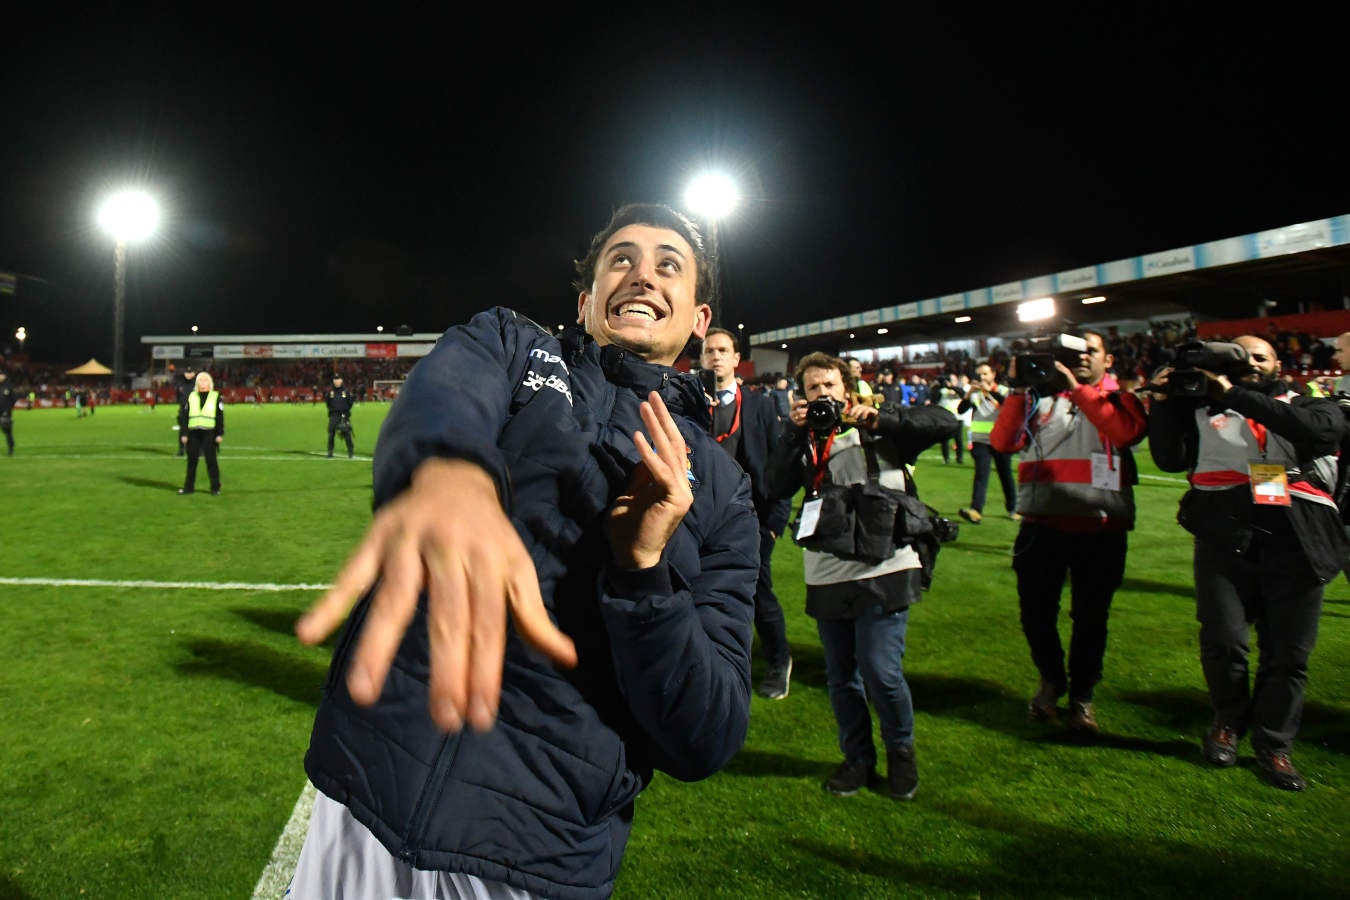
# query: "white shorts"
342,859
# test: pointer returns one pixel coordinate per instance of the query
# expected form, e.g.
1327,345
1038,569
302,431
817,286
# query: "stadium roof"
1307,265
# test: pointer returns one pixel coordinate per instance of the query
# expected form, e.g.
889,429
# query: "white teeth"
637,309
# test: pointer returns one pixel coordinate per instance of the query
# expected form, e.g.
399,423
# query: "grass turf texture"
153,737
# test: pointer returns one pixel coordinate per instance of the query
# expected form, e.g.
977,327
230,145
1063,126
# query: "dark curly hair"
657,215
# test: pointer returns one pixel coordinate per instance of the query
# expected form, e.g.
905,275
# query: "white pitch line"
186,585
276,876
305,457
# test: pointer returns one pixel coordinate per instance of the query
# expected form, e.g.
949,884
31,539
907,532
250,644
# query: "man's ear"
582,299
702,320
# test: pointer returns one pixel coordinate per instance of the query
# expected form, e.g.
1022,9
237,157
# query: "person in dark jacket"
1268,537
746,425
201,424
564,561
339,401
861,606
7,412
182,386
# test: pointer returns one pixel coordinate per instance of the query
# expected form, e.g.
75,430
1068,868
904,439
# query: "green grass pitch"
153,731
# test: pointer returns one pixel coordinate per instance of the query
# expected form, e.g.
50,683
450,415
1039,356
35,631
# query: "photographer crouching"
1268,537
852,459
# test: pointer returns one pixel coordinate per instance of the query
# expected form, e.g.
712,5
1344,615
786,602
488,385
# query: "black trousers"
201,442
1094,565
1275,591
332,431
770,624
7,426
986,457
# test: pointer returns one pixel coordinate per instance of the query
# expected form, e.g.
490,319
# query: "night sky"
413,165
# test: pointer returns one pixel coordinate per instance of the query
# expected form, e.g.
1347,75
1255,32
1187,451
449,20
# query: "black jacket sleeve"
1173,441
914,429
1314,425
785,473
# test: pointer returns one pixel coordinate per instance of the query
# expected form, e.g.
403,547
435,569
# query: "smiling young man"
563,560
1268,537
1076,497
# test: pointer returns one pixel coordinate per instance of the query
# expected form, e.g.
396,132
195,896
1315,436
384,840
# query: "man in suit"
746,425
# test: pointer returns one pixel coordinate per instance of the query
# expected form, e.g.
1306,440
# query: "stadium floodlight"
129,216
1036,310
713,196
1088,300
21,334
961,320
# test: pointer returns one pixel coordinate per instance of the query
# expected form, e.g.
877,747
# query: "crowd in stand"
257,380
1137,354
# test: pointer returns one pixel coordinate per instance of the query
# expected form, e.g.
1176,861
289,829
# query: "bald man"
1262,465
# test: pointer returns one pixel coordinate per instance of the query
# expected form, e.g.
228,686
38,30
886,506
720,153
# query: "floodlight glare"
713,196
962,319
1036,310
129,216
1087,300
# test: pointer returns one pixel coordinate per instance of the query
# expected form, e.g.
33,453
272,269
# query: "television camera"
1035,361
1192,359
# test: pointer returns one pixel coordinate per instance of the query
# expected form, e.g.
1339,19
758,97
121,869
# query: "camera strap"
820,458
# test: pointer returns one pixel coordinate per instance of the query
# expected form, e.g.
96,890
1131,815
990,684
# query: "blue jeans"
864,658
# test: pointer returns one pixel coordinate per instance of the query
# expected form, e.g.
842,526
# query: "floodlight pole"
715,281
119,307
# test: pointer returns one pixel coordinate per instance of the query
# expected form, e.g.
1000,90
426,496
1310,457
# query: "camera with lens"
1036,360
1220,357
826,413
944,529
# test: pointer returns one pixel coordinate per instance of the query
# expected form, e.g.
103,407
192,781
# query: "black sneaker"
851,777
776,681
1220,746
1277,769
186,491
902,774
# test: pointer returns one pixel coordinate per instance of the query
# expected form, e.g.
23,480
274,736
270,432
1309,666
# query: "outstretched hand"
446,533
657,496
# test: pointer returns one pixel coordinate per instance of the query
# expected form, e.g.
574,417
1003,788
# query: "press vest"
1229,443
983,414
1054,476
202,415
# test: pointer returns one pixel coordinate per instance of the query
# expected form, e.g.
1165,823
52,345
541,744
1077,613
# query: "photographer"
340,402
982,401
1075,496
1268,537
861,605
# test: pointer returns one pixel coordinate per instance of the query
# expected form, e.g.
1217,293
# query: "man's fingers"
448,637
487,602
391,609
532,621
356,577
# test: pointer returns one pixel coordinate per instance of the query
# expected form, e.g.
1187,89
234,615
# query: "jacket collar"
682,392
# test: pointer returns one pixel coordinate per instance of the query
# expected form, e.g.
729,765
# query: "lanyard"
735,422
820,460
1259,431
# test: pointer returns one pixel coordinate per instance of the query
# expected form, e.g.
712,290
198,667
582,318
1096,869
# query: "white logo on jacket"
534,381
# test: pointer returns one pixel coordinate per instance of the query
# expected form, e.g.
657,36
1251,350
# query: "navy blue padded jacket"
544,800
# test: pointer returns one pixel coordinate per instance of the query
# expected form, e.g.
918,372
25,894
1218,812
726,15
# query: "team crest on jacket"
1218,422
689,468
